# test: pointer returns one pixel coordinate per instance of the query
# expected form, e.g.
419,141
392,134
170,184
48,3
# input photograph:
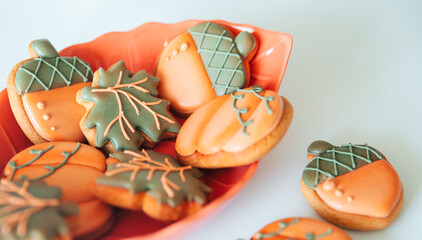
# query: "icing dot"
53,129
328,185
349,198
167,59
184,46
45,116
175,52
40,105
338,193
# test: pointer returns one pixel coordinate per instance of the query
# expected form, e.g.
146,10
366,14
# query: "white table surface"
355,75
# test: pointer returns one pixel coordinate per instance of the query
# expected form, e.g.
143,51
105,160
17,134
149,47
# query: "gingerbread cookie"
202,63
42,94
152,182
123,112
73,167
33,211
234,130
300,228
352,186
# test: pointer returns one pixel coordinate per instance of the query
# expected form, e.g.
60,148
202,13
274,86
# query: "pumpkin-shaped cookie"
353,186
42,93
300,228
73,167
234,129
202,63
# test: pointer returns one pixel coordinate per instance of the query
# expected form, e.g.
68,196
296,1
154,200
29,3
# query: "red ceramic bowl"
139,49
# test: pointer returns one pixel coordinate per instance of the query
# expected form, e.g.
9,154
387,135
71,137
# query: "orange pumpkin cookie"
352,186
73,167
234,130
152,182
123,112
202,63
42,94
300,228
33,211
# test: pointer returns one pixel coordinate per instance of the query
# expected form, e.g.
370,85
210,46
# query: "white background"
354,76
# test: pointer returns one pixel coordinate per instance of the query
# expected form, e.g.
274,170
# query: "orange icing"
64,113
183,78
301,228
187,138
371,190
215,126
92,215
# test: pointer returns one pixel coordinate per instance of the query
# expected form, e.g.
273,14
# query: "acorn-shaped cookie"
202,63
352,186
42,93
73,167
300,228
33,211
234,130
152,182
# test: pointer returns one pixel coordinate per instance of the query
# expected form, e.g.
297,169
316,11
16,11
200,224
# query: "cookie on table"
33,211
123,111
152,182
73,167
352,186
234,130
202,63
42,93
300,228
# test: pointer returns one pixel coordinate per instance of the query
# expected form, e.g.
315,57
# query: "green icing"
50,71
115,109
39,153
221,55
142,171
283,225
44,49
32,211
255,90
319,146
338,161
245,43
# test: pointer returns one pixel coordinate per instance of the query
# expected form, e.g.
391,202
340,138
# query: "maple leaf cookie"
152,182
352,186
42,94
33,211
73,167
202,63
123,111
234,130
300,228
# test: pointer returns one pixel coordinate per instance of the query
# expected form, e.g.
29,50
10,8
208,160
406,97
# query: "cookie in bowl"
33,211
42,94
202,63
235,129
152,182
123,111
